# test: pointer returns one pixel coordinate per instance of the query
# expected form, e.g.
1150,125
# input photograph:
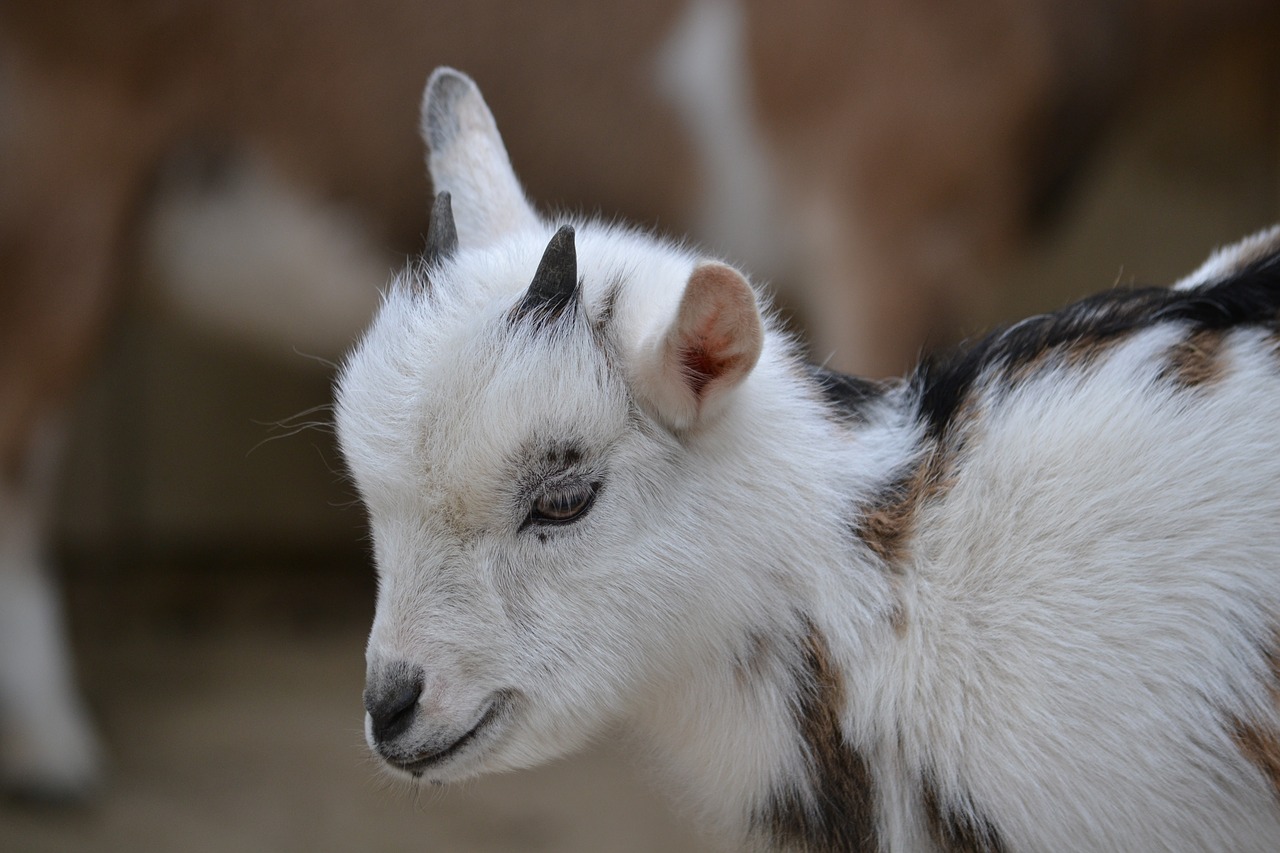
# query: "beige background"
219,590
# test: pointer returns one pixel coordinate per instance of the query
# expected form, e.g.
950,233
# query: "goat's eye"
562,505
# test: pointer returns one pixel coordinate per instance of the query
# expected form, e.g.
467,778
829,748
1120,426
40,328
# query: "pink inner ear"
719,329
706,357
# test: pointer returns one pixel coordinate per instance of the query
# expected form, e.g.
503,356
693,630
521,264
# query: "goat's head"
519,421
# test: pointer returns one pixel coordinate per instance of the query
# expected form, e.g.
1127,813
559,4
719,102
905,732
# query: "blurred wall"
174,446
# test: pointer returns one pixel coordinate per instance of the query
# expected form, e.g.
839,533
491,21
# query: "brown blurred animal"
889,152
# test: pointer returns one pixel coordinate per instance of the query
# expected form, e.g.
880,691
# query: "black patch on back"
836,811
848,396
959,828
1248,297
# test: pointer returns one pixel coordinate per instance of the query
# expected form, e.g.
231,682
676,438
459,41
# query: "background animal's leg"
47,747
67,183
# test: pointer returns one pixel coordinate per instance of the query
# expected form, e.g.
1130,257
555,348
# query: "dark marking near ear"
602,322
848,397
555,287
958,827
837,810
607,303
1078,334
442,235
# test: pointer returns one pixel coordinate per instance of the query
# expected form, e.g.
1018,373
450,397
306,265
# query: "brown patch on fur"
1261,746
1079,354
886,526
1024,370
837,812
898,615
958,828
1196,359
1087,350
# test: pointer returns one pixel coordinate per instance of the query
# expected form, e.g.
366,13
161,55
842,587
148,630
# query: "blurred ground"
229,693
219,597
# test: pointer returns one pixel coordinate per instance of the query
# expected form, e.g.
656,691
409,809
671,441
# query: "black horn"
442,234
555,284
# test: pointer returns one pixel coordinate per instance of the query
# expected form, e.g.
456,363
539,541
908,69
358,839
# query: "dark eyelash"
562,504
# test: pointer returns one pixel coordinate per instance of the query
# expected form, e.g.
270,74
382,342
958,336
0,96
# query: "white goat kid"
1026,599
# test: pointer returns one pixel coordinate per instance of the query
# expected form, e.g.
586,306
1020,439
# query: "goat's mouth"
490,718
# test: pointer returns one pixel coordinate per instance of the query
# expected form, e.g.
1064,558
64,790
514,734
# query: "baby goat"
1027,598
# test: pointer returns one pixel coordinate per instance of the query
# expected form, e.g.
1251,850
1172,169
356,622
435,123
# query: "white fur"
1228,258
254,258
703,71
1079,610
1093,589
47,747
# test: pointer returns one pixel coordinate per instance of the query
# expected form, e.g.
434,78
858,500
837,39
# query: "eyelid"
579,494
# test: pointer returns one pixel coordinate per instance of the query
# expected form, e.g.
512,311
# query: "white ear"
468,160
689,370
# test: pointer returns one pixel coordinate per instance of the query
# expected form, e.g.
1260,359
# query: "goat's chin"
512,735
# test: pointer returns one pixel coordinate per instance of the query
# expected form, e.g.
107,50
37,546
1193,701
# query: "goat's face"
513,421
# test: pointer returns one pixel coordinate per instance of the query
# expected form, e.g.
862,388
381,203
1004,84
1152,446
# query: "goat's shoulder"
1099,479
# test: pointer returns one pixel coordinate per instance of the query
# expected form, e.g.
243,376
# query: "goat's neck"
754,723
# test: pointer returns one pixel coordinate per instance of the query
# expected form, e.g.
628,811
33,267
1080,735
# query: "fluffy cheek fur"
581,605
572,620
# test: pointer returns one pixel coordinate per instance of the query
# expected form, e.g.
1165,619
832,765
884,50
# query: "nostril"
393,703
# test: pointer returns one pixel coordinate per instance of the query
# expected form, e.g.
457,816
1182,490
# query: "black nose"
391,698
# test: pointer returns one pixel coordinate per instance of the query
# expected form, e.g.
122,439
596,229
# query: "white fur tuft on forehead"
632,292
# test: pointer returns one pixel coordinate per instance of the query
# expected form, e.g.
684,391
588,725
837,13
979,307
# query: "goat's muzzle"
391,699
